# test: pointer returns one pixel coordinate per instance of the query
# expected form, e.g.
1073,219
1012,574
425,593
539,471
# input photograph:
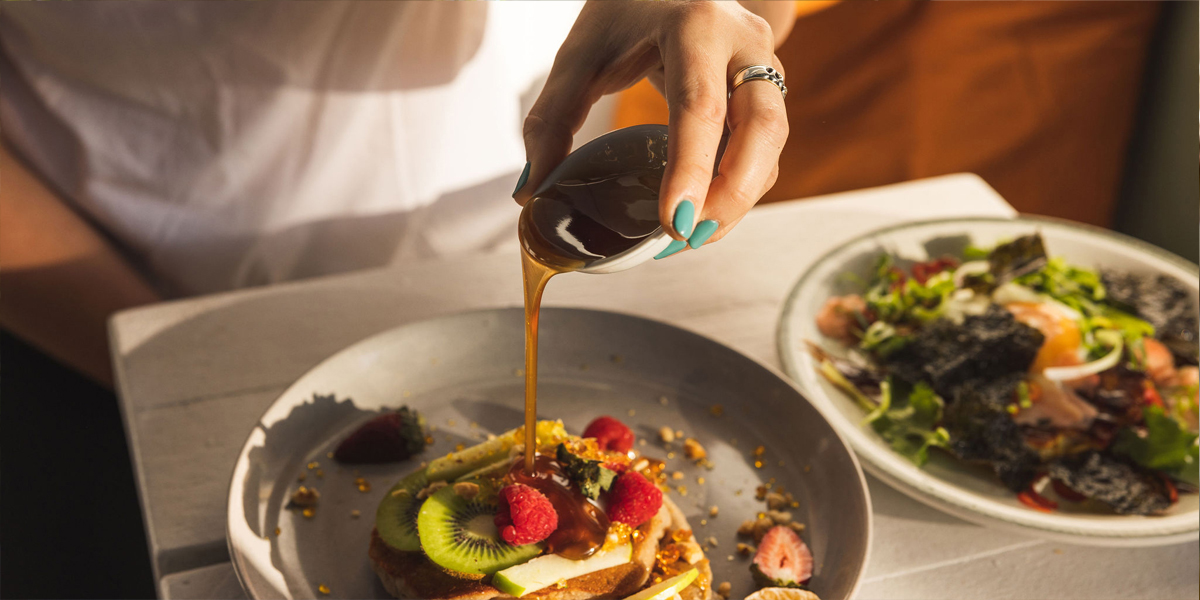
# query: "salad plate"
923,461
463,374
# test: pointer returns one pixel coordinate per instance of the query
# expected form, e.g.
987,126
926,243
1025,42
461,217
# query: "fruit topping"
460,535
524,515
782,594
551,569
633,499
610,434
590,476
396,517
667,588
481,457
389,437
783,560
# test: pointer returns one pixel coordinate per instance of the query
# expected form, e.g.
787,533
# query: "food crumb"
711,541
362,484
354,514
693,450
1058,551
759,451
278,531
780,517
466,490
400,493
712,511
304,497
319,473
302,477
758,464
663,400
329,455
631,412
704,521
797,527
737,492
724,589
433,487
666,434
407,393
459,447
324,589
312,465
670,455
641,441
519,372
716,410
776,501
682,490
745,549
746,528
729,558
679,433
677,475
309,513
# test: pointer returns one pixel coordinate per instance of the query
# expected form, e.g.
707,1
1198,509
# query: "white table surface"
194,375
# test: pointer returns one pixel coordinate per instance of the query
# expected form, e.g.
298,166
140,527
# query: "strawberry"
389,437
782,560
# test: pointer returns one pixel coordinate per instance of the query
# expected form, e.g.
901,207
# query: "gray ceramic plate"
463,373
945,483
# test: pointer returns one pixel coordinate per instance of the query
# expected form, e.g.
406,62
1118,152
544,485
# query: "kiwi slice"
396,517
461,537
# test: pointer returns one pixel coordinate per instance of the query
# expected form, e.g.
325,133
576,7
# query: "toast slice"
412,575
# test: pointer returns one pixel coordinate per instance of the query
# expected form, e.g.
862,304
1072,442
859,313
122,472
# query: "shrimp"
839,318
1160,364
1057,405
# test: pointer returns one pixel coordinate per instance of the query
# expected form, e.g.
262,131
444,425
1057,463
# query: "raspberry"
610,434
525,516
633,499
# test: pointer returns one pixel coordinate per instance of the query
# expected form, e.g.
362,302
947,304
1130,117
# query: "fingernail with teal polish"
685,218
672,248
704,230
522,180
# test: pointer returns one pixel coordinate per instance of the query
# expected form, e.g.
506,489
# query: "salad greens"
909,421
948,359
1166,446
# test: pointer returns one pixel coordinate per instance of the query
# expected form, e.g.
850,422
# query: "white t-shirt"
232,144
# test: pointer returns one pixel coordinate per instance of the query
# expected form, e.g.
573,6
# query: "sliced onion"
1109,361
1012,292
975,267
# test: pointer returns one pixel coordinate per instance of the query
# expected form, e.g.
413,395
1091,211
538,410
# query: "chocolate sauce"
582,526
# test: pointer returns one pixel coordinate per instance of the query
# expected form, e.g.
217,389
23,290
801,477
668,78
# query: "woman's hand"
690,51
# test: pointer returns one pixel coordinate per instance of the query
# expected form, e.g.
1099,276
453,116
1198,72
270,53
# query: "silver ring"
758,73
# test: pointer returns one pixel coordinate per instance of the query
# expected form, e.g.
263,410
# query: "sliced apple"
667,588
479,456
545,571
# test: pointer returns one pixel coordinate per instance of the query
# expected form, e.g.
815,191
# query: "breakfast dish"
460,378
589,522
1073,386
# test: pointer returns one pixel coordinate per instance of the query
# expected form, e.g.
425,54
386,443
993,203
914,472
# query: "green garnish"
589,475
1165,445
909,422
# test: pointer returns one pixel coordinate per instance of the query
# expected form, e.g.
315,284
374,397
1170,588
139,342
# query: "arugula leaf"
910,426
1166,446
